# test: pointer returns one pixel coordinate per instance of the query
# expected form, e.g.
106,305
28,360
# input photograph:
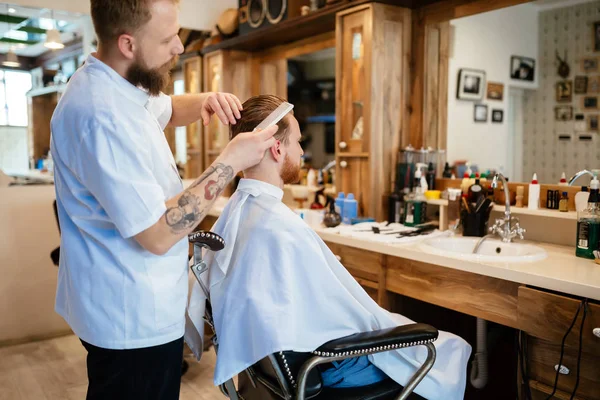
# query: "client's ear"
276,151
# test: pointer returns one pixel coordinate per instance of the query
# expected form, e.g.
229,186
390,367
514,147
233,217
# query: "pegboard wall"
568,29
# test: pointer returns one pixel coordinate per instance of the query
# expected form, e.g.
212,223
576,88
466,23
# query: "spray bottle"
416,202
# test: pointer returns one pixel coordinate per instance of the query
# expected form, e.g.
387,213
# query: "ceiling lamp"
53,40
11,60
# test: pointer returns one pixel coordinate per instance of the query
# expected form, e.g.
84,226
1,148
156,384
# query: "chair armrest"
378,341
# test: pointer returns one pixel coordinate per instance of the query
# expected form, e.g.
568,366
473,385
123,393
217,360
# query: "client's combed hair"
256,109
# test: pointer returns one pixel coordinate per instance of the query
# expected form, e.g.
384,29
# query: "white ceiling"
195,14
47,18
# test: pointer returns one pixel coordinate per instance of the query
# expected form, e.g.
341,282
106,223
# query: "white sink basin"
492,250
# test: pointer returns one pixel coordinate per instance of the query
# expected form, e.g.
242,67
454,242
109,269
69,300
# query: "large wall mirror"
311,88
524,90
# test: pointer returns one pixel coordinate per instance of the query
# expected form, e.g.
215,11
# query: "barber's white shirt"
113,173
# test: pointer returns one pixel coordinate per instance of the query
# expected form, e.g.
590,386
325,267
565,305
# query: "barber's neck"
113,59
268,175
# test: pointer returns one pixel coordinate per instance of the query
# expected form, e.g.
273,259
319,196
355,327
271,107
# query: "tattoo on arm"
190,208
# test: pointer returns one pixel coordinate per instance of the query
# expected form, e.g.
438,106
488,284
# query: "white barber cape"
276,286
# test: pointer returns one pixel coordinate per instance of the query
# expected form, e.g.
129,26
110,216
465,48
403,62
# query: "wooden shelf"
353,155
291,30
439,202
542,212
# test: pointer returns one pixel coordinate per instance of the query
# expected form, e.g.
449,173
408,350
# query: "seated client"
277,287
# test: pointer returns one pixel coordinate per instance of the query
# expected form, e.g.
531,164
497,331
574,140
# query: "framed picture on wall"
590,103
497,116
495,91
593,84
589,65
480,113
564,91
563,113
596,36
581,84
522,68
471,84
592,123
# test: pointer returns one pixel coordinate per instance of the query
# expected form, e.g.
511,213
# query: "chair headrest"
210,240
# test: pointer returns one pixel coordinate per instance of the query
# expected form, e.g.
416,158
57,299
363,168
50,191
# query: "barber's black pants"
151,373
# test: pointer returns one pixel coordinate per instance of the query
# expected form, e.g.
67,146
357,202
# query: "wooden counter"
540,299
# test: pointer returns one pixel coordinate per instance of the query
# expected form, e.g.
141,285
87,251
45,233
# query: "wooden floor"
55,370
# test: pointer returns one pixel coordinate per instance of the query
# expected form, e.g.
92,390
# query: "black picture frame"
522,68
471,84
478,109
497,116
596,36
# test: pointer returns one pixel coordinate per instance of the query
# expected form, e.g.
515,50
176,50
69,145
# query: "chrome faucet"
508,227
579,175
329,166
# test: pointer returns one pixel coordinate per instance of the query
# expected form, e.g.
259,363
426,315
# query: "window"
14,86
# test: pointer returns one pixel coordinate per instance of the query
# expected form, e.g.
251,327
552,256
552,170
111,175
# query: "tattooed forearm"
186,214
193,203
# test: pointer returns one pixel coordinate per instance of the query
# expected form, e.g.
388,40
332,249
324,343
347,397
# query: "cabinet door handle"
563,370
596,332
343,164
338,258
343,145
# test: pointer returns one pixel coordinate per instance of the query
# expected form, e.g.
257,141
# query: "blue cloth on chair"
352,372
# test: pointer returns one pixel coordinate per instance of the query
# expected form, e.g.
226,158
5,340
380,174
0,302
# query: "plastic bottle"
416,203
311,179
418,175
350,209
581,199
563,180
588,225
431,176
483,179
464,186
339,203
475,191
534,194
447,171
564,202
396,208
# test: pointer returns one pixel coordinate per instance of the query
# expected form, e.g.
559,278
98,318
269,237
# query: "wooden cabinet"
40,109
271,76
543,358
548,316
224,71
366,267
372,78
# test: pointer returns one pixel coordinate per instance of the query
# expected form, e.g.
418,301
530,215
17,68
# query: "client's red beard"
155,80
290,173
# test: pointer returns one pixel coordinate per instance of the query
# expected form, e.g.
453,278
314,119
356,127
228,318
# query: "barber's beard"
155,80
290,173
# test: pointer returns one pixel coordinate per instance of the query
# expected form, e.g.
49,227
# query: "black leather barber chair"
290,375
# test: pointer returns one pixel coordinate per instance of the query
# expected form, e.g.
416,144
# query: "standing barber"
123,212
